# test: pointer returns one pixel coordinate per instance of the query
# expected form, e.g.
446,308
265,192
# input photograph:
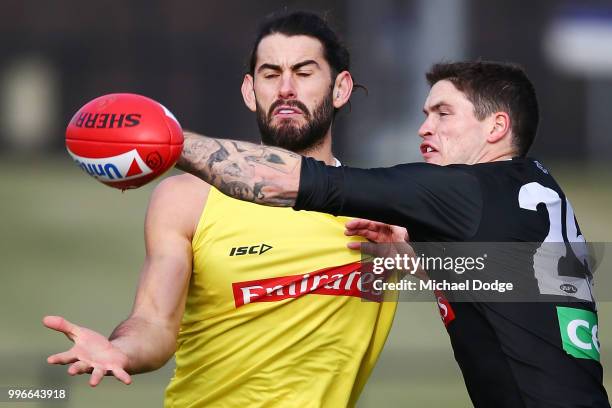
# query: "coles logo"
342,280
125,166
579,332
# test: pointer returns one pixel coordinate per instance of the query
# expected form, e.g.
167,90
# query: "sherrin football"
124,140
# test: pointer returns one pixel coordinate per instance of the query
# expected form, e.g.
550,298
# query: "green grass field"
73,247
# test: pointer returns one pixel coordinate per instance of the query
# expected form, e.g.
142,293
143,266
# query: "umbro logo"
250,250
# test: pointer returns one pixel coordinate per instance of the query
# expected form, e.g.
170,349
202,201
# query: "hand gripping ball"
124,140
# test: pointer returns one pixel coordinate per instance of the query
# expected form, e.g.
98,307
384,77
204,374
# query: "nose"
287,87
426,128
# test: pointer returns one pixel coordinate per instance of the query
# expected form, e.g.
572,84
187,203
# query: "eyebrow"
294,67
437,106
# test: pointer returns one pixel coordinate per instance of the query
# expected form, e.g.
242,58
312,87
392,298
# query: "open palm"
92,352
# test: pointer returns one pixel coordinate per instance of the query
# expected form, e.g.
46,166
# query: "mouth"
428,150
285,111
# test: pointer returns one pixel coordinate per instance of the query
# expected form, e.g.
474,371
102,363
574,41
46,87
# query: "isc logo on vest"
250,250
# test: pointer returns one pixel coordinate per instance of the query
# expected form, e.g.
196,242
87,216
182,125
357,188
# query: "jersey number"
552,258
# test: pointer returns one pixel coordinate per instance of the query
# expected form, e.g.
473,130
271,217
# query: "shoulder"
189,187
177,202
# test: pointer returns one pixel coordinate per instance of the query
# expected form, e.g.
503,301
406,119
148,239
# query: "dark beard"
296,138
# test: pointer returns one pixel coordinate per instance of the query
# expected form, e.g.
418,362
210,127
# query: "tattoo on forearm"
250,172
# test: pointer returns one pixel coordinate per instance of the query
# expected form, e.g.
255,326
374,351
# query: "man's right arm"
148,336
147,339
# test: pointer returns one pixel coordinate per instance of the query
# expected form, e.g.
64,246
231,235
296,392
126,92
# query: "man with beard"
269,298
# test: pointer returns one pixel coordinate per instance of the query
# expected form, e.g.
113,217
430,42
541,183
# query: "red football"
124,140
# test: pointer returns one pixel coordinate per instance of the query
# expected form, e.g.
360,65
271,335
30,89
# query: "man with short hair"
262,305
476,186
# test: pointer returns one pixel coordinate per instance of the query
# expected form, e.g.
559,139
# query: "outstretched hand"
92,352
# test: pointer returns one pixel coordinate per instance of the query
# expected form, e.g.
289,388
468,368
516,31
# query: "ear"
343,88
248,92
500,127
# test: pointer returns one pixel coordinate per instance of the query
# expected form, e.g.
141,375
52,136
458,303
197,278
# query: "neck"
498,155
501,156
322,151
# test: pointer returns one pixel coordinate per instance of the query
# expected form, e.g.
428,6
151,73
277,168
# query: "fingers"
366,233
66,357
359,223
400,234
60,324
96,376
370,249
122,376
406,234
97,373
354,245
80,367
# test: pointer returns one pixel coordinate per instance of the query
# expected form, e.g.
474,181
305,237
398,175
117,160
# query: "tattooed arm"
438,203
246,171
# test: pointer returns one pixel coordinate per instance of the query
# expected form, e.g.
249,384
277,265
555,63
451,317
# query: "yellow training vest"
273,316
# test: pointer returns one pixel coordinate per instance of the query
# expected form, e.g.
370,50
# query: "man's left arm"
246,171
